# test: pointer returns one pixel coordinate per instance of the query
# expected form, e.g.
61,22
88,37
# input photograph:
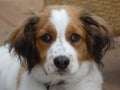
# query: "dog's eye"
46,38
75,37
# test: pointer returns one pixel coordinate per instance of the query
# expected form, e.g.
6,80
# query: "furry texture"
67,31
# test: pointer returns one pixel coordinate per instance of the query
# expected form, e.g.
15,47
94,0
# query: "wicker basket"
107,9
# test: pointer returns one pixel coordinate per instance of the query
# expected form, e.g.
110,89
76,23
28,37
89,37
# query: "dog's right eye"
75,37
46,38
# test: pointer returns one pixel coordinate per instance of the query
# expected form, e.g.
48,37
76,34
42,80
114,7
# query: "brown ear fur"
24,44
98,38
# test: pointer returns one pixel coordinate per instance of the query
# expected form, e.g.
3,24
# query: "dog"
57,48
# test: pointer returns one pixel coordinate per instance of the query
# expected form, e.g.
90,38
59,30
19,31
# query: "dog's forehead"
59,19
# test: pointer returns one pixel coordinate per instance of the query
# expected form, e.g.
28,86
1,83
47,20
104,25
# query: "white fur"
8,70
60,20
85,76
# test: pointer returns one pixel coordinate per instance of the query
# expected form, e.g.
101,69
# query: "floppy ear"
98,38
24,44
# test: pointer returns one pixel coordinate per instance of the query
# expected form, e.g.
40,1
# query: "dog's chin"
61,73
52,70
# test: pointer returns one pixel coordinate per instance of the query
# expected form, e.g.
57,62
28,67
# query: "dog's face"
60,38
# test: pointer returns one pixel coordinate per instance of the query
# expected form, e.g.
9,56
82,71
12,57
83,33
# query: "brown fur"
43,46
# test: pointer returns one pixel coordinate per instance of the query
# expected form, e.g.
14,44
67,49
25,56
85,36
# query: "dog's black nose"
61,62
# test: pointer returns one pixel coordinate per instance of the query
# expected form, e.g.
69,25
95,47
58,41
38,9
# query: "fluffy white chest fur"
58,48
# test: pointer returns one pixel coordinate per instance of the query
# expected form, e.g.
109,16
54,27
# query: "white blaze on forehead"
60,19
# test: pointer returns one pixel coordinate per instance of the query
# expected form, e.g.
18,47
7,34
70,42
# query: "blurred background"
13,12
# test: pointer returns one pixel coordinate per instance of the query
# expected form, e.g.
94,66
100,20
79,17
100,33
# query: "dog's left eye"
75,37
46,38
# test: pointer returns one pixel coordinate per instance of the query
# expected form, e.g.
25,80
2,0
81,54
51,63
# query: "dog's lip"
62,72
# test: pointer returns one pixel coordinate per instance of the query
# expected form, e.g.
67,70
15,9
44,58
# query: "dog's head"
60,38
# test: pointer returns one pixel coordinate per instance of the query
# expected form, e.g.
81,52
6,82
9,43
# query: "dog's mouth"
62,72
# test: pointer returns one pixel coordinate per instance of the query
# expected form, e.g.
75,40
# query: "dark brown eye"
46,38
75,37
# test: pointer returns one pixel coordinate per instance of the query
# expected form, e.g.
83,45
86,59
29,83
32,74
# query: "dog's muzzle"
61,62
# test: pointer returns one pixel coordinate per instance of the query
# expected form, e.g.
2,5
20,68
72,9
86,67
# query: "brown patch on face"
79,46
94,32
43,45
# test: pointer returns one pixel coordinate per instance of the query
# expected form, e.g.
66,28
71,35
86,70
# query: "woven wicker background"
107,9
